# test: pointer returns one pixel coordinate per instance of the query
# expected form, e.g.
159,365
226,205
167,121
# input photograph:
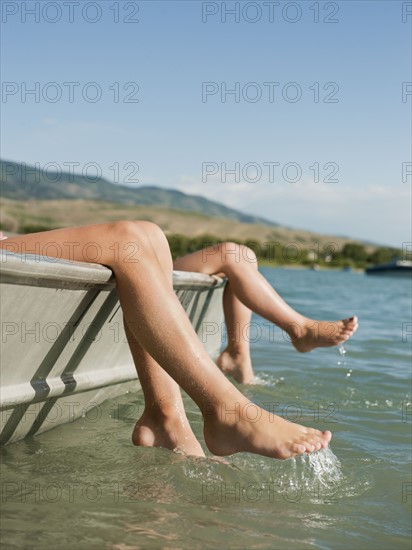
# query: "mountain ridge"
20,181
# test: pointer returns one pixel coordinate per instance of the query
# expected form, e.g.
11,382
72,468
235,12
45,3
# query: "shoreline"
302,267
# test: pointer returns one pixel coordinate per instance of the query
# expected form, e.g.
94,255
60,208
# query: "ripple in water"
316,477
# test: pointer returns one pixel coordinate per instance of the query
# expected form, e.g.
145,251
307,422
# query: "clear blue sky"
172,131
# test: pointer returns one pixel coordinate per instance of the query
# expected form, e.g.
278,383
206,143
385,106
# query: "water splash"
325,466
264,379
342,352
315,477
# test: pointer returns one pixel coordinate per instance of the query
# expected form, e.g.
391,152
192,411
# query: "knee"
146,237
233,254
141,232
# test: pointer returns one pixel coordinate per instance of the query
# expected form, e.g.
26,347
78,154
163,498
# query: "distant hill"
21,182
39,215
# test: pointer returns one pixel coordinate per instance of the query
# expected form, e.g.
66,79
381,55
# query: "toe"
310,447
351,323
327,435
298,449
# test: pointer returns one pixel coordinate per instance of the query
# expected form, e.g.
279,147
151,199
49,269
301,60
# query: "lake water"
84,486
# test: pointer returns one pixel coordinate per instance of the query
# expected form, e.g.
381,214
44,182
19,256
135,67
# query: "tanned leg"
163,422
235,359
249,290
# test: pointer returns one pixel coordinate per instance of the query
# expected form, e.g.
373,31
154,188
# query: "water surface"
84,486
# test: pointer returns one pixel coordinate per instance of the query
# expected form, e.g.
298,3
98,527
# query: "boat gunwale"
47,271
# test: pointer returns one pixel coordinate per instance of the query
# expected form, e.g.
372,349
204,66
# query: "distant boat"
395,267
64,350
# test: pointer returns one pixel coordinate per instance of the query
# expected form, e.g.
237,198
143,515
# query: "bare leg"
235,359
247,286
163,422
160,325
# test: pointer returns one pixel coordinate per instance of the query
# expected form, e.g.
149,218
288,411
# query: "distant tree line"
328,255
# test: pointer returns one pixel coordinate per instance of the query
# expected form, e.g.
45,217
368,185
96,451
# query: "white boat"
63,347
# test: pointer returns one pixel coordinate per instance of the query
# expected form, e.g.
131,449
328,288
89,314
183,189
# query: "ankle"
297,329
167,431
162,413
237,352
228,410
237,364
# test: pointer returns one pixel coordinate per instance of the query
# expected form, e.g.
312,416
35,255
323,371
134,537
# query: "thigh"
206,261
90,243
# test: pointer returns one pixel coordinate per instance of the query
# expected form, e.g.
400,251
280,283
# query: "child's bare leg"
161,326
239,264
235,359
163,422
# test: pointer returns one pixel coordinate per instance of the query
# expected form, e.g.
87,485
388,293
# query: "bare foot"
172,433
309,334
255,430
236,365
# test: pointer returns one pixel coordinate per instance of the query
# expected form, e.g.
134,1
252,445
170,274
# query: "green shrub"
34,228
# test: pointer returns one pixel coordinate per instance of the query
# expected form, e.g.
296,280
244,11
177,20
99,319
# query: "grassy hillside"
32,215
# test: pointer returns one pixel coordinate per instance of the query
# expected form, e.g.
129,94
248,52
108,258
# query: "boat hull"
393,271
